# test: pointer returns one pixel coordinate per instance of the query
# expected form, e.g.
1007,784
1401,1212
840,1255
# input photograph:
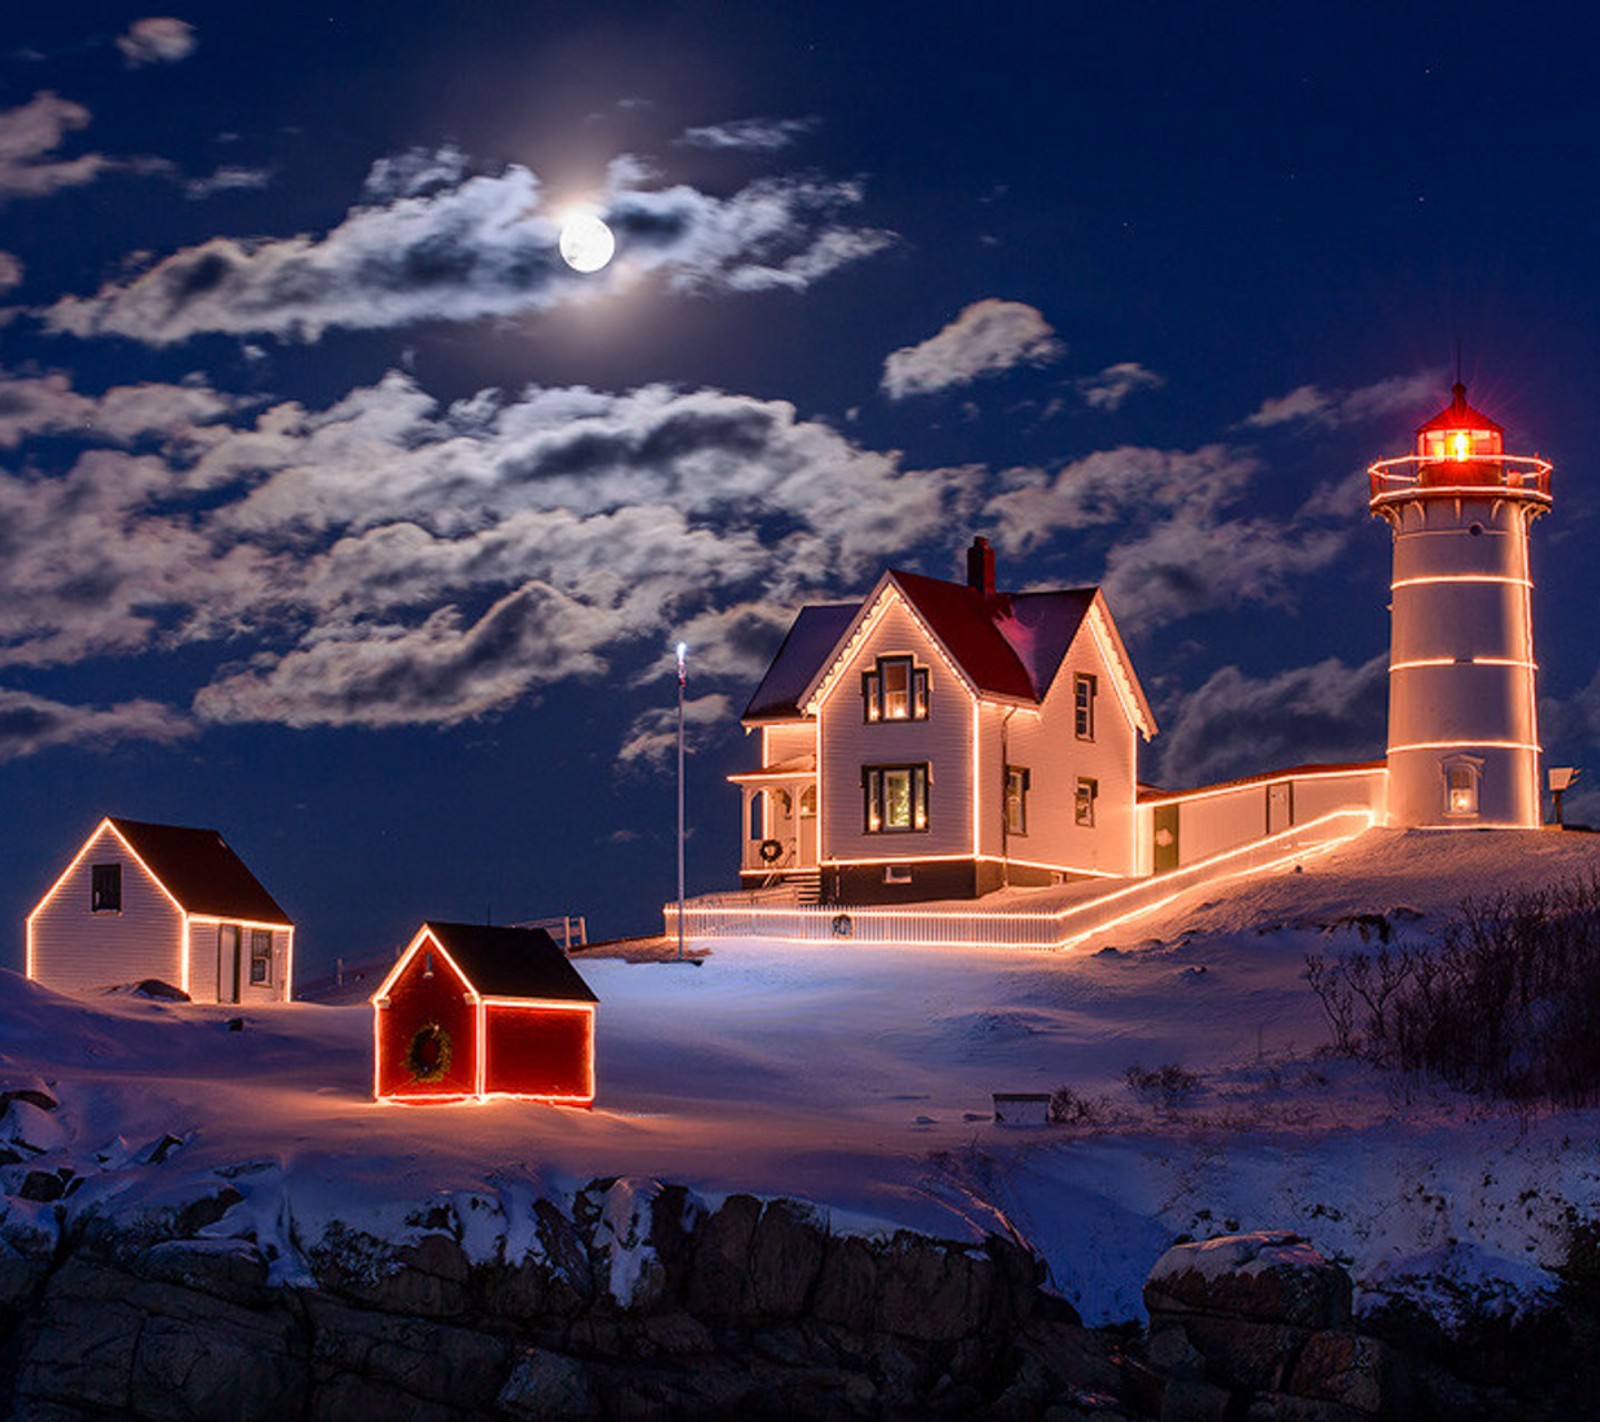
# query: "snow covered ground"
862,1079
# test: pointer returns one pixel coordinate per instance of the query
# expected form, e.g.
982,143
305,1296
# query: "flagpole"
682,681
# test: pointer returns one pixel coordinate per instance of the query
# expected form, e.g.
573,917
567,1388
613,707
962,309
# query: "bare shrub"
1168,1086
1071,1108
1506,1004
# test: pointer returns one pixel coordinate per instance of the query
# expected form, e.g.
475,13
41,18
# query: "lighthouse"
1463,722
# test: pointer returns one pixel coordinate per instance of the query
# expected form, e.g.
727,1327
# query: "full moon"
586,243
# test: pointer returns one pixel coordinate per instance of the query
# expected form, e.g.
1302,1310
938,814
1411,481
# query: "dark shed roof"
200,871
511,962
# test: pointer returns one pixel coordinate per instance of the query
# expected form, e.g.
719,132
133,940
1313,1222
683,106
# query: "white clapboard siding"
74,950
943,741
1048,746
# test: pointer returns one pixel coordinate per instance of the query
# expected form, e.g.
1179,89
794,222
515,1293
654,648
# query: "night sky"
337,513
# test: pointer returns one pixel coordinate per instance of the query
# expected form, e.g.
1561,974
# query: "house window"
896,798
1017,780
260,955
1461,774
1083,694
896,689
1083,802
105,888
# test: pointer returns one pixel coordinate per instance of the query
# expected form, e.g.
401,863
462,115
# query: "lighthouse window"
1461,788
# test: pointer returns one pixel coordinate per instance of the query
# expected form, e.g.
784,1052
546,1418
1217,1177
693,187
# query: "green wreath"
428,1056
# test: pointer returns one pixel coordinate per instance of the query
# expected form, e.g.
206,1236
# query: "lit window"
1461,786
105,888
896,798
808,802
260,955
1083,694
1083,802
1017,780
895,690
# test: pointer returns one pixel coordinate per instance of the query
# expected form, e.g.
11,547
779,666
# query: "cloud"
1332,408
228,178
1237,725
29,134
438,673
652,739
1108,390
1180,548
157,40
10,271
432,242
751,135
388,560
30,724
988,337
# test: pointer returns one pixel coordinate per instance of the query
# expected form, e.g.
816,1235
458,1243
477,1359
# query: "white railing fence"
570,930
751,916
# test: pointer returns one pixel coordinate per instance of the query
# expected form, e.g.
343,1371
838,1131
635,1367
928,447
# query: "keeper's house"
470,1011
940,740
142,901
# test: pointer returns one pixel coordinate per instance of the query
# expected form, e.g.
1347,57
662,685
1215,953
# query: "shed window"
260,955
896,689
896,798
105,888
1083,802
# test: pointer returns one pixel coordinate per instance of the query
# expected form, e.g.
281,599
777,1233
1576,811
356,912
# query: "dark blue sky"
337,514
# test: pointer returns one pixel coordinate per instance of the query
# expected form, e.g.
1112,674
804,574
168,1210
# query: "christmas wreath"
428,1056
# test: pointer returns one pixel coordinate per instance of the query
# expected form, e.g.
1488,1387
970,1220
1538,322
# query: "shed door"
228,947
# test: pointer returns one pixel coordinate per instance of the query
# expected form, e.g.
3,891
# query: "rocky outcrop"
639,1302
1258,1328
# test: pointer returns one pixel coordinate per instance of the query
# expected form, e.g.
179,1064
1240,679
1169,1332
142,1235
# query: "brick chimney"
980,567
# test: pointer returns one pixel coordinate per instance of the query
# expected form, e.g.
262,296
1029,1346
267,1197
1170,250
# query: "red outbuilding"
469,1011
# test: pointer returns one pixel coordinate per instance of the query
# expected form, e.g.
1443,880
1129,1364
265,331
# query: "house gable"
74,948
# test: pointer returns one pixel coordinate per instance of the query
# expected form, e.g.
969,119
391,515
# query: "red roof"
200,871
1008,645
964,620
1458,415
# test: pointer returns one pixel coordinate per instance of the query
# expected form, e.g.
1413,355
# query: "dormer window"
896,689
1084,690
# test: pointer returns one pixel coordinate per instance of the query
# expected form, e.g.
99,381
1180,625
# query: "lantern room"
1460,449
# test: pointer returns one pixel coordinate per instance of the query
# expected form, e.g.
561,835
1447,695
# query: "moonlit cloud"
1332,408
1112,386
390,561
987,338
652,739
1182,545
157,40
30,724
10,272
751,135
431,242
29,135
228,178
1236,725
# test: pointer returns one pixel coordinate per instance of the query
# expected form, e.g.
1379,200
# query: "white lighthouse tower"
1463,723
